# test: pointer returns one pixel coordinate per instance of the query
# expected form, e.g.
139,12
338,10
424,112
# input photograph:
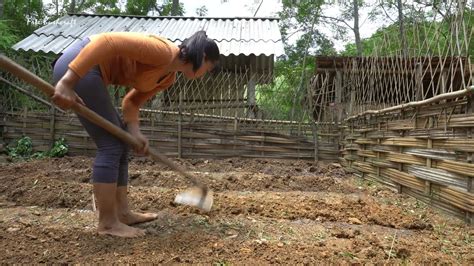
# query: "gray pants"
111,161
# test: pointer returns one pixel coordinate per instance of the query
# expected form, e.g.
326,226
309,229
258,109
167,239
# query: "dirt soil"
265,211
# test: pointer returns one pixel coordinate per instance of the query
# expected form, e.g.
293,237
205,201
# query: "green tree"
8,37
201,11
349,12
144,7
423,37
300,18
23,16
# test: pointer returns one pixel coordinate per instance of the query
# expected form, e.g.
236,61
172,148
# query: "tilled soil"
265,211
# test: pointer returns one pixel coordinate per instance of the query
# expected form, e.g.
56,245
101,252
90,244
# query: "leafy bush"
59,149
22,149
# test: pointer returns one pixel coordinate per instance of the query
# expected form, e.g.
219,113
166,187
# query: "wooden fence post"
338,96
379,142
180,118
52,124
470,180
25,118
235,135
429,146
315,140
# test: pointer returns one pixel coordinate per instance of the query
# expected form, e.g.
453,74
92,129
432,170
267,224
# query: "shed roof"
235,36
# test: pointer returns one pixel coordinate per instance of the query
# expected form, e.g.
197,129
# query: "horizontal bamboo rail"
435,99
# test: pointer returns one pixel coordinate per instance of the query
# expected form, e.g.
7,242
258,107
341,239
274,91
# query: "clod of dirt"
354,220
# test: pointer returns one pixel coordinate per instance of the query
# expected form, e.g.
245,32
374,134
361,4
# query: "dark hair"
192,49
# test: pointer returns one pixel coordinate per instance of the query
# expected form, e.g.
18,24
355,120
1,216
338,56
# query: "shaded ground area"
266,211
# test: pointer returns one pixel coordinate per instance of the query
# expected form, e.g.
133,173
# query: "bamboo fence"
433,167
215,117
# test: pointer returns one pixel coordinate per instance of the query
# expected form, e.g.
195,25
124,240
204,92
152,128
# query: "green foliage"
423,37
143,7
283,97
22,149
24,16
300,18
7,37
201,11
167,9
139,7
59,149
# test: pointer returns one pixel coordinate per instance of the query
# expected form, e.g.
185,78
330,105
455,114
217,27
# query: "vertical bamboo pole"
352,142
180,118
315,140
378,153
338,96
419,81
52,125
400,150
351,103
25,118
429,146
470,180
235,135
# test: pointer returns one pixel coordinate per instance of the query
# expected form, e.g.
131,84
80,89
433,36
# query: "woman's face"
205,67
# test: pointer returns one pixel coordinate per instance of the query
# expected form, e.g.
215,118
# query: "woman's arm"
131,104
64,95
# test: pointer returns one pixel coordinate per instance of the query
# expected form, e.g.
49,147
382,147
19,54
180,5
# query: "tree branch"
338,20
386,13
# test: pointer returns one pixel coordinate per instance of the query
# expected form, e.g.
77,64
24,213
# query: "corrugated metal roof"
234,35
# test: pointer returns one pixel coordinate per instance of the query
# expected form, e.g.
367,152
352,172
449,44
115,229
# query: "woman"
146,63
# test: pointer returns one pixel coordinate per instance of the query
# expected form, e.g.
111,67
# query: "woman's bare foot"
120,229
131,217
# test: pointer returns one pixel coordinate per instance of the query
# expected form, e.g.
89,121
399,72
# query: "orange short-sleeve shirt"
136,60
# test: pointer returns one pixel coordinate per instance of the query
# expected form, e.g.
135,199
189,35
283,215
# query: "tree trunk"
175,8
356,27
56,2
401,19
72,6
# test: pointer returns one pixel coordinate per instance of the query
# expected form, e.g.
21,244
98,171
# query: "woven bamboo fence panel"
236,112
424,149
235,138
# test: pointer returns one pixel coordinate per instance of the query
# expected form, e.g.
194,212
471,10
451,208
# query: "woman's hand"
64,95
134,130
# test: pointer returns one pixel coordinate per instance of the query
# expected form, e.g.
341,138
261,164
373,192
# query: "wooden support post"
470,189
400,165
52,125
351,103
443,84
428,164
315,141
363,157
419,81
180,118
470,180
251,99
235,135
25,119
352,142
378,153
338,88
